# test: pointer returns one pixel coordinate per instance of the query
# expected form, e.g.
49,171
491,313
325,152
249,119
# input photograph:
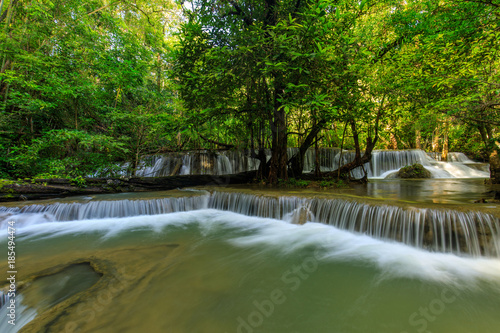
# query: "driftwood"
176,169
53,188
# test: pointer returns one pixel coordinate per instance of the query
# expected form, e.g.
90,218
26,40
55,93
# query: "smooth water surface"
214,271
443,191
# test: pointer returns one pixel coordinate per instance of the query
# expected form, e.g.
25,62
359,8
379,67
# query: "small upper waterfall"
384,163
470,233
451,157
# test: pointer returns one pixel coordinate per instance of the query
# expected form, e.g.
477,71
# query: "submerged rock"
416,170
300,215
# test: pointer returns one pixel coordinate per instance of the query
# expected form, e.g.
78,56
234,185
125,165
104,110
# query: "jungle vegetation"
87,85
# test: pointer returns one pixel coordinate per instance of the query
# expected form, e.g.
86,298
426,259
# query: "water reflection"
449,191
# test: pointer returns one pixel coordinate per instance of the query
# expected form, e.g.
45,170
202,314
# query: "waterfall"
468,233
452,157
4,298
101,209
384,163
387,161
458,157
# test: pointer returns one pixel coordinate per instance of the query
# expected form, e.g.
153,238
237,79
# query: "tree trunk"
158,73
176,168
444,154
495,164
418,139
263,166
297,161
394,141
367,156
341,151
358,159
278,166
136,161
435,141
493,149
279,160
317,169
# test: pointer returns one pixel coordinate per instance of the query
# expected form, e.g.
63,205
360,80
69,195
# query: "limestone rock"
414,171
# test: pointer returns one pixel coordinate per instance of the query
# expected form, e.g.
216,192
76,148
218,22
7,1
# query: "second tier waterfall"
384,163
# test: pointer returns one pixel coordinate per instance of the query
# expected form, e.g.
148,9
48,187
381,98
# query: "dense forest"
88,85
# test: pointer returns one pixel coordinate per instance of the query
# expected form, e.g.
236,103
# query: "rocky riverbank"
51,188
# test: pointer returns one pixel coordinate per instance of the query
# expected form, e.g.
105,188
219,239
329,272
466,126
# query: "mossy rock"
414,171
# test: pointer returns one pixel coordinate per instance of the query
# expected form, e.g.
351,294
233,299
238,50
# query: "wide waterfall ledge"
465,233
384,163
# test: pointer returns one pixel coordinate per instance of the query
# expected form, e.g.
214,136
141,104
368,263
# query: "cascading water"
384,163
197,162
451,157
469,233
233,262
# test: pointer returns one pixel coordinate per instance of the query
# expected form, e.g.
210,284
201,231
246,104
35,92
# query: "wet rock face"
413,171
301,215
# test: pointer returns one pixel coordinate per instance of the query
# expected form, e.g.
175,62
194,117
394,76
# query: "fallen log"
53,188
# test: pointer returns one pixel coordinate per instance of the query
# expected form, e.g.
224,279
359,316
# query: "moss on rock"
416,170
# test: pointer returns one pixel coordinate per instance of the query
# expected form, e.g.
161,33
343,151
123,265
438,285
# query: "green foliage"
4,166
4,182
446,77
332,183
294,67
88,86
63,153
79,181
69,71
292,182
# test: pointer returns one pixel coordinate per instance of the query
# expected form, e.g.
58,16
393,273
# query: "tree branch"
4,14
238,11
216,142
488,3
99,9
388,48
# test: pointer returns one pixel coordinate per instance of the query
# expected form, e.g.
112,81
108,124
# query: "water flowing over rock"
413,171
300,215
467,233
384,163
198,163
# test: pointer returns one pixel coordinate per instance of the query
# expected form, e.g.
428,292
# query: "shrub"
64,153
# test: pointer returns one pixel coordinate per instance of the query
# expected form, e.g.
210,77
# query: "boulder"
414,171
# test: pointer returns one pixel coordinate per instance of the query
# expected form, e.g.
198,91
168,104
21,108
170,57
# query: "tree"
73,66
265,62
452,65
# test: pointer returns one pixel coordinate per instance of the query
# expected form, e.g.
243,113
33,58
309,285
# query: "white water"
198,162
23,315
332,280
466,233
384,163
393,259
